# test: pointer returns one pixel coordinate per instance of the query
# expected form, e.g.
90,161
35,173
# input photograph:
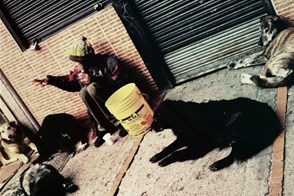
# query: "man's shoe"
122,132
99,141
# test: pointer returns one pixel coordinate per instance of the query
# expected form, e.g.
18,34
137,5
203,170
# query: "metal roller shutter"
39,19
195,37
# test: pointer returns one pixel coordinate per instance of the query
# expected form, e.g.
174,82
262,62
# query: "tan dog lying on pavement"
15,145
4,160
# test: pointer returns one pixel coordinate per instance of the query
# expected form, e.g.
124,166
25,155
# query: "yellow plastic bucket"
128,105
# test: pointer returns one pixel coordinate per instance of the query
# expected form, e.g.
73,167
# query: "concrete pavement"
96,169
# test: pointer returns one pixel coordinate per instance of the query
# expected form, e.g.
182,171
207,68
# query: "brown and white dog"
277,36
15,145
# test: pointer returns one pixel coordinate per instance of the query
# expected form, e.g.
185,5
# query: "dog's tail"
271,82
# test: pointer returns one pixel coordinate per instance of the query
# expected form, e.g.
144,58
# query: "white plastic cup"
108,139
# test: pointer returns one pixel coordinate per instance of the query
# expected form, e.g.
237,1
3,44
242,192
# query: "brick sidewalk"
277,167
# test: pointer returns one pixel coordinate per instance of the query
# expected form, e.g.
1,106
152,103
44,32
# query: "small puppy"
15,144
40,180
246,126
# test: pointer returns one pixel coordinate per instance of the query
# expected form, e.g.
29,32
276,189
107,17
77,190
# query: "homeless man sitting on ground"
96,78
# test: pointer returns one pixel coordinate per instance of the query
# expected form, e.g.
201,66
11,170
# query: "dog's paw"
24,159
11,160
70,187
7,162
213,167
163,163
231,65
246,79
237,64
259,60
79,147
154,159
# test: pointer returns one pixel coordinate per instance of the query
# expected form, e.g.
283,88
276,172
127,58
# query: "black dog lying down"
59,133
245,125
40,179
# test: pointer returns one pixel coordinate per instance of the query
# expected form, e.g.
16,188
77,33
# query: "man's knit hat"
80,49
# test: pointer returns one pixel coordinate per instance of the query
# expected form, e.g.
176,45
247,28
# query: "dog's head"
270,26
10,131
44,179
157,123
160,123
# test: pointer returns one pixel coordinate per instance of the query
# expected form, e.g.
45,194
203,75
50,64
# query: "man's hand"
42,82
84,78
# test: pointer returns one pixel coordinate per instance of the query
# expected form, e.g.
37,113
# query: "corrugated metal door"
39,19
196,37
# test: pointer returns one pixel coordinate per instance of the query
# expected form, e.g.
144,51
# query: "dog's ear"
275,18
13,123
280,23
269,19
156,127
